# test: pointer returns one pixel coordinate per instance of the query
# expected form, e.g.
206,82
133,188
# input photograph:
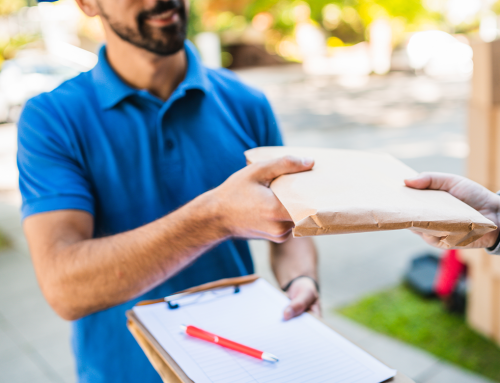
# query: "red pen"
212,338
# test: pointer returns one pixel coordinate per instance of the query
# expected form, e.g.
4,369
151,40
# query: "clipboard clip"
188,298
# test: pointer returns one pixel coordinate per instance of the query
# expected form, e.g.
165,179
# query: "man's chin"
164,41
166,49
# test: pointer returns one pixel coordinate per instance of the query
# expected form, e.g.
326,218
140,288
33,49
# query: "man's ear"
89,7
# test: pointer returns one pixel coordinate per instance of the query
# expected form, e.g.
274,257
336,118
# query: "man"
469,192
134,185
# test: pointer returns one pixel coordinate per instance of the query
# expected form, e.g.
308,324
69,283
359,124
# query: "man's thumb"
269,170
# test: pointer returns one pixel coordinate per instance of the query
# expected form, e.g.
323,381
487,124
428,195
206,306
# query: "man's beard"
161,41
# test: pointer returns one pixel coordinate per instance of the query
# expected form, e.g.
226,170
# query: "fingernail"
288,313
307,161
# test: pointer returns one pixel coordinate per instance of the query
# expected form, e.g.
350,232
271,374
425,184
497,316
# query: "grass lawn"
4,242
402,314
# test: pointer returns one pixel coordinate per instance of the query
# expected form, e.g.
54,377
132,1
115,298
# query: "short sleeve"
50,176
272,134
265,125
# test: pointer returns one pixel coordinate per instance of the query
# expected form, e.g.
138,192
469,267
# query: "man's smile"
163,19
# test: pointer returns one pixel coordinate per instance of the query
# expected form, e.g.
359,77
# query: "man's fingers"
281,239
433,181
299,304
316,309
267,171
276,238
278,212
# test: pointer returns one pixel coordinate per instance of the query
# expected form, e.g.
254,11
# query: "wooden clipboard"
163,363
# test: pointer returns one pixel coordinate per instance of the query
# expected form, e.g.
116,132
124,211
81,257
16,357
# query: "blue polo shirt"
129,158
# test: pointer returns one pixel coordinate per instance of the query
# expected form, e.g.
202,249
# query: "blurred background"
389,76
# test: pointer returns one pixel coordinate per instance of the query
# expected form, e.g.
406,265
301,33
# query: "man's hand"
248,206
304,297
469,192
290,260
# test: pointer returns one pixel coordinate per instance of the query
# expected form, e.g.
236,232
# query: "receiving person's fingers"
430,239
420,234
433,181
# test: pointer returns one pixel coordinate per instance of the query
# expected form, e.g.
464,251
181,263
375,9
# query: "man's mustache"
159,8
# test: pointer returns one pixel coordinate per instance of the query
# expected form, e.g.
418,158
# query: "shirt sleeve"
272,134
50,177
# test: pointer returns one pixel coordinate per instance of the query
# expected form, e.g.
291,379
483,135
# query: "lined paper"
309,351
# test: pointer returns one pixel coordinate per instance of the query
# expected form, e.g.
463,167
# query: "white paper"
308,350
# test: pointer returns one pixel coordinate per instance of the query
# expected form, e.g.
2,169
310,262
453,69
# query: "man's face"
159,28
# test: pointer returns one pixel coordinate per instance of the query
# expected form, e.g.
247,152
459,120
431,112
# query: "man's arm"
293,258
467,191
80,275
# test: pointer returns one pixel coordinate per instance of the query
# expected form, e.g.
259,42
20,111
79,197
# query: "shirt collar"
111,89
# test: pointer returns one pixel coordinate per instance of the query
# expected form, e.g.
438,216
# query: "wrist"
288,285
211,214
496,234
497,210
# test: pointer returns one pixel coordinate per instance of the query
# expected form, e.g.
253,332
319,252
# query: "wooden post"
483,309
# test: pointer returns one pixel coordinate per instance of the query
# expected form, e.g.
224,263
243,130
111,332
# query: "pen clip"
173,300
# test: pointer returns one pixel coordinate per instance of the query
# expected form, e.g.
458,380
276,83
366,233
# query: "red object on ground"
212,338
449,272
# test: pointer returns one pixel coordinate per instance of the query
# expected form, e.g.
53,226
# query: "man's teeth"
164,15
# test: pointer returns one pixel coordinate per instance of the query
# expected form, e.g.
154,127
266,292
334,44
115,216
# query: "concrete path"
34,341
418,120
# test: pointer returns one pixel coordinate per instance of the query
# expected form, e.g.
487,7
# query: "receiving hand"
470,192
304,296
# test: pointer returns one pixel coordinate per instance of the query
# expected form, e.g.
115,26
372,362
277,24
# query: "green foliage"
9,47
258,6
350,25
424,323
195,24
409,9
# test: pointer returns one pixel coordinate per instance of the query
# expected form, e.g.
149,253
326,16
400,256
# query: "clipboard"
163,363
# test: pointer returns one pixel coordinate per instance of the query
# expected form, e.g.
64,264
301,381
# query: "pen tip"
183,328
270,357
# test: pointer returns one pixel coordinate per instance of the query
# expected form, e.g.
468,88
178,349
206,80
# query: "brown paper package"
351,191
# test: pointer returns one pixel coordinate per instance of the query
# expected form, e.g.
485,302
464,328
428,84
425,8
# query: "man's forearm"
87,275
295,257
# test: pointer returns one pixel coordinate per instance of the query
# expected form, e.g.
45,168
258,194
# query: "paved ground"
416,119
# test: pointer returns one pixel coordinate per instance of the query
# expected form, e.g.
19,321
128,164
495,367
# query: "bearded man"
135,187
